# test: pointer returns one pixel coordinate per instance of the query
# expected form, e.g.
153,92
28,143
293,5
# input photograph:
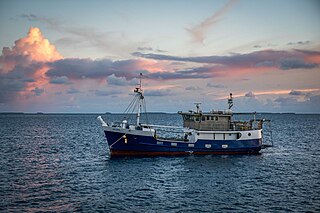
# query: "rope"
118,140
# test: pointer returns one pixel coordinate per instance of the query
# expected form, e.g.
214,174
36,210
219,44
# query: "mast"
138,91
230,101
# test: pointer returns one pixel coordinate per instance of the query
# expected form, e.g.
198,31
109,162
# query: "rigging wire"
135,104
145,110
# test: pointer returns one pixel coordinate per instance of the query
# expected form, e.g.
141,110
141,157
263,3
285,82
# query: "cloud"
60,80
23,67
192,88
250,95
299,42
198,32
37,91
121,81
29,17
73,91
285,60
105,93
158,92
215,85
77,69
296,92
189,73
150,49
286,101
289,64
84,37
121,72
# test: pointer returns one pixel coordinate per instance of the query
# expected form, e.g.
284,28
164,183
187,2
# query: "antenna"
198,106
230,101
140,81
139,88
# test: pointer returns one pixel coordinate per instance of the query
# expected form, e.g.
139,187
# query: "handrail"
163,126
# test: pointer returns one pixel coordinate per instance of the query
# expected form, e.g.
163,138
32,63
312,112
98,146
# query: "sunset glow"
67,61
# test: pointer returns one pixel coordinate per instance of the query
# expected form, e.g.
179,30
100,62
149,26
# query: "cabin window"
197,118
208,118
203,118
216,118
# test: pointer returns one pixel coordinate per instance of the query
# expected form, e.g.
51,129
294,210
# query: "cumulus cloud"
23,67
198,32
33,47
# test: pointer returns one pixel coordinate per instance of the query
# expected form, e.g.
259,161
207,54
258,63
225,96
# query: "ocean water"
62,163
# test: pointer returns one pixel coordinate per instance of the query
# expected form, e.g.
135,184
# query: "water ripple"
61,163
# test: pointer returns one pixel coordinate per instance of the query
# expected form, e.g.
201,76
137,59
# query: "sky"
85,56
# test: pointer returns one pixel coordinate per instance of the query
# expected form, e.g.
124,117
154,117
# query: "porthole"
249,134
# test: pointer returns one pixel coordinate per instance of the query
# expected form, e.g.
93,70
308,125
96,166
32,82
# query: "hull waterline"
125,144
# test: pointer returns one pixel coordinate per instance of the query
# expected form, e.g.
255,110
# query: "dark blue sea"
61,163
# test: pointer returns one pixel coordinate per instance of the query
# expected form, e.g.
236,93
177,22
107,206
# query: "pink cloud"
23,66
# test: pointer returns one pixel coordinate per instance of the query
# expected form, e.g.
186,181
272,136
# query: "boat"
213,132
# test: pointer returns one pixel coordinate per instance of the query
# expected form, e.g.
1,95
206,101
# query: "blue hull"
148,145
